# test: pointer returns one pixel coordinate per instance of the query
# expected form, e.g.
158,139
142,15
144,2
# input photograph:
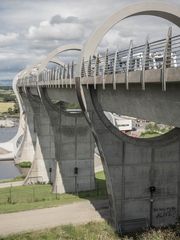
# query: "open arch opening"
164,11
159,9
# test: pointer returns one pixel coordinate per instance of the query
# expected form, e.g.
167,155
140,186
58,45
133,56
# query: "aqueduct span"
142,175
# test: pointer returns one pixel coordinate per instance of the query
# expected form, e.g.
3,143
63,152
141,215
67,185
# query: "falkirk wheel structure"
142,175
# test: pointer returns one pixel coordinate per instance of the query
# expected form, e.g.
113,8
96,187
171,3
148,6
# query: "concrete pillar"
142,175
74,146
43,167
26,152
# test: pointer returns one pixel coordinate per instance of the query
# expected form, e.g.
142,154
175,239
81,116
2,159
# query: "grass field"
93,231
150,135
4,106
40,196
6,94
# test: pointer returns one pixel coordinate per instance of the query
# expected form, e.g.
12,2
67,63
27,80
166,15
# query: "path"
76,213
13,184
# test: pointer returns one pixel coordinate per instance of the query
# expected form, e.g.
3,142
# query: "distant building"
123,123
6,123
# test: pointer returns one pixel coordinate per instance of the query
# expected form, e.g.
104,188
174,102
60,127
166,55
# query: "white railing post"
71,74
105,70
89,72
129,61
67,75
166,58
145,60
63,76
95,72
114,70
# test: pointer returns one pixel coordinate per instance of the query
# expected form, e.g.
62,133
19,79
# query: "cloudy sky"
29,29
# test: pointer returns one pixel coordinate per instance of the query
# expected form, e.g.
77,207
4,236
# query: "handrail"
161,55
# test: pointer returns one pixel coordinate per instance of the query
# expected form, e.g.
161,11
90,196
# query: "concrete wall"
41,133
61,141
74,145
152,104
26,152
132,166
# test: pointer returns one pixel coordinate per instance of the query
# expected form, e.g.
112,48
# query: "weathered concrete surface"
67,95
62,142
44,156
132,166
150,76
27,149
76,213
14,147
74,144
152,104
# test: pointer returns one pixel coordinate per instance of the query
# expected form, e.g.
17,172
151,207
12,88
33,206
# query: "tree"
10,111
16,107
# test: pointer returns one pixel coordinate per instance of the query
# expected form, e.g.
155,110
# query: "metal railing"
151,56
161,54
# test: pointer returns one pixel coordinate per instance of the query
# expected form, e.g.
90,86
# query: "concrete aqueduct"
142,175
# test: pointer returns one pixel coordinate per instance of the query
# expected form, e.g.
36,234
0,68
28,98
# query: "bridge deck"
151,76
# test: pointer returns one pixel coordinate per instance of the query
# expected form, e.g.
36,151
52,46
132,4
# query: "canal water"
7,134
7,168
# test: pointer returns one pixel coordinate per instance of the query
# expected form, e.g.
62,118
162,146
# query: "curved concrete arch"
155,141
37,68
22,121
57,61
169,12
99,123
28,70
61,49
51,57
11,145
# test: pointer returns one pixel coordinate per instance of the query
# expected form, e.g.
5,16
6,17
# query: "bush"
149,133
16,108
10,111
153,127
25,164
9,98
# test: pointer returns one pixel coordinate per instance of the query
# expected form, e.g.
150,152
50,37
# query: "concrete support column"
43,167
74,146
142,175
26,152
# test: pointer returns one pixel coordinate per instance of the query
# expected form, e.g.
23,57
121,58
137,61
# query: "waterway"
7,133
7,168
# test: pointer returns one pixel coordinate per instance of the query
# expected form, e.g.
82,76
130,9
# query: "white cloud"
57,31
25,36
7,39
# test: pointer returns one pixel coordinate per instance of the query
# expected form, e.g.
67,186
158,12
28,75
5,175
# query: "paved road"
76,213
13,184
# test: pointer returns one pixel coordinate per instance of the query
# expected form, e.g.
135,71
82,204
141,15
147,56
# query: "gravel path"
13,184
76,213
